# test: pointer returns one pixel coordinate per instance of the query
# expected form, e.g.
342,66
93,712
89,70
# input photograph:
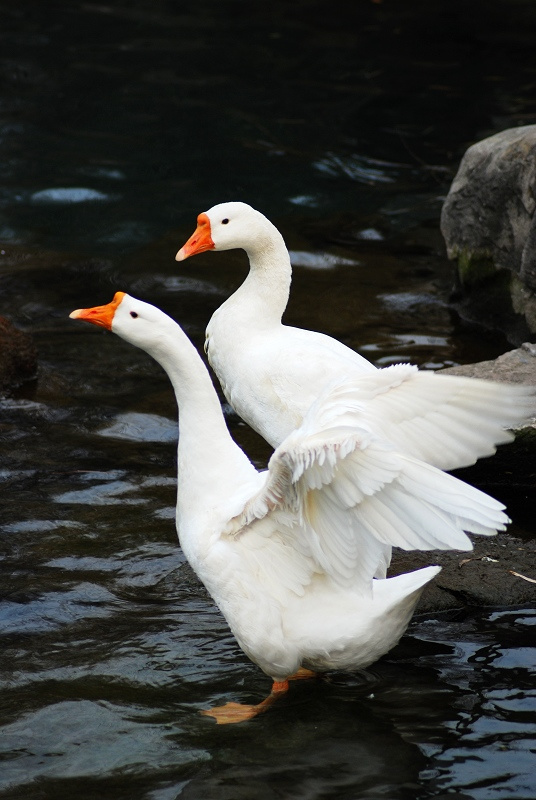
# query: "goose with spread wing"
289,554
271,373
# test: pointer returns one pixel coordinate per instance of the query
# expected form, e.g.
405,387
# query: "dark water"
118,124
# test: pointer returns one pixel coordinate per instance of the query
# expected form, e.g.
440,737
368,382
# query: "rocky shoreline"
499,571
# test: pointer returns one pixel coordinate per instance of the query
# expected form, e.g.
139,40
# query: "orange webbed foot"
232,712
240,712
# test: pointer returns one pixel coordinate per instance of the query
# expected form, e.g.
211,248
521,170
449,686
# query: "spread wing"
449,421
349,496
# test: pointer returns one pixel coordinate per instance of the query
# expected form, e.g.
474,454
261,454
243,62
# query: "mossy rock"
488,219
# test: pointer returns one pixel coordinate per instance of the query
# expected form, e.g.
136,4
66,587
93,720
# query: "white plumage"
272,373
290,554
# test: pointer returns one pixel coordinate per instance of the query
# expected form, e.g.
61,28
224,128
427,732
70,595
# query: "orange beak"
199,241
99,315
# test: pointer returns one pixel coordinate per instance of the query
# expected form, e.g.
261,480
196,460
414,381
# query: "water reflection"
141,427
422,721
74,194
359,168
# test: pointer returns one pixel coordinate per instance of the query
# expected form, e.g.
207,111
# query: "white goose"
271,373
293,575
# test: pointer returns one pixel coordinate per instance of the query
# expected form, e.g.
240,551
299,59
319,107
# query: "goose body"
271,373
290,569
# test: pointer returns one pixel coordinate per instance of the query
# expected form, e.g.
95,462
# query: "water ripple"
72,194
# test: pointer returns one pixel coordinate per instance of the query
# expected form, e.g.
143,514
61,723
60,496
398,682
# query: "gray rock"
515,366
488,219
500,571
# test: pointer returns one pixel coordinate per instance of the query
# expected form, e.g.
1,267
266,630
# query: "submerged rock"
489,225
18,356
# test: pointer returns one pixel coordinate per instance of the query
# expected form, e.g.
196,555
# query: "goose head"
228,226
137,322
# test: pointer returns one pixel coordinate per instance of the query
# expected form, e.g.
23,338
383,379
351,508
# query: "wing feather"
348,496
447,420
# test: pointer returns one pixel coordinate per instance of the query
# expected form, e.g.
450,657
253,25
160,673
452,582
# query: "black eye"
224,221
134,314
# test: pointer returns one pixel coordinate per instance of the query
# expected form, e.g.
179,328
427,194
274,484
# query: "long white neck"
210,465
263,296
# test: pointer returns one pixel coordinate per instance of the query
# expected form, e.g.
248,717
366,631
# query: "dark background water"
119,123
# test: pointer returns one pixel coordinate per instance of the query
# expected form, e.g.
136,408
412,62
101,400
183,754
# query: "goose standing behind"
291,574
271,373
